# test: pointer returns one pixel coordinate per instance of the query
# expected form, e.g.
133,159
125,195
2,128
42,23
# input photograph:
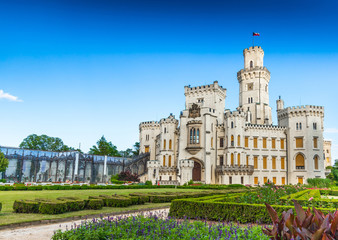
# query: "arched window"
297,126
251,100
198,136
232,140
169,161
164,143
248,100
232,159
316,162
163,160
251,64
300,126
238,140
165,130
212,142
300,163
232,124
170,143
238,159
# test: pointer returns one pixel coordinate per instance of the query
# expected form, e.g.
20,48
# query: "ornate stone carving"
194,111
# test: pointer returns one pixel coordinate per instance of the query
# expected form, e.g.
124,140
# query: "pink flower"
310,198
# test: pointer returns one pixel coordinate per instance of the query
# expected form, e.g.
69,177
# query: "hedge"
94,204
26,206
0,206
226,211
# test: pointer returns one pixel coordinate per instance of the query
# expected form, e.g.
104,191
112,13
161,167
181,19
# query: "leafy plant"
304,225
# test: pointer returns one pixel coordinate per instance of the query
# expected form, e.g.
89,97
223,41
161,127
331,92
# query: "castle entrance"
196,172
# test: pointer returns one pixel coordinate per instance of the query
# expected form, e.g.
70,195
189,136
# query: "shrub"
319,182
53,207
26,206
148,183
128,176
2,180
94,204
0,206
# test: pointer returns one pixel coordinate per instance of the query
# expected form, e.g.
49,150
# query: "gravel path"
44,232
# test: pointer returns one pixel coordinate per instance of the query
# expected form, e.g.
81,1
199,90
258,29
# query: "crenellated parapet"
169,120
215,87
296,111
249,126
235,114
149,125
252,73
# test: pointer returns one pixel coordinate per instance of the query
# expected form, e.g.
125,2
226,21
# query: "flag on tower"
255,34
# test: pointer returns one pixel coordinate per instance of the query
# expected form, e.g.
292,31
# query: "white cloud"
331,130
9,97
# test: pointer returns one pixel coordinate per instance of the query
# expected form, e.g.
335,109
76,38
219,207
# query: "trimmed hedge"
94,204
53,207
0,206
26,206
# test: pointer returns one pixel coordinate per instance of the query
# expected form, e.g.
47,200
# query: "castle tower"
254,87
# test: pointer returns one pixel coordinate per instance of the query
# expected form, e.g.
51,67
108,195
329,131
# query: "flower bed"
157,227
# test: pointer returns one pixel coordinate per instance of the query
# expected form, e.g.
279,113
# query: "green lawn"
7,199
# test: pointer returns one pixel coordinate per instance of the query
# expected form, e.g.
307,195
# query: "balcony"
235,169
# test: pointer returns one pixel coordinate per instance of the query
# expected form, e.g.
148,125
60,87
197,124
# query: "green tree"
127,153
104,148
136,149
45,143
3,162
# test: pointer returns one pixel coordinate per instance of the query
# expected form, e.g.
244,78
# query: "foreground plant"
304,226
158,226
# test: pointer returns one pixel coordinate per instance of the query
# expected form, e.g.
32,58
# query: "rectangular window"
264,142
255,142
246,142
146,149
283,180
212,142
256,180
265,179
273,162
282,143
265,163
247,160
274,180
221,142
255,162
314,126
273,143
238,141
221,160
315,142
230,180
299,142
282,162
242,180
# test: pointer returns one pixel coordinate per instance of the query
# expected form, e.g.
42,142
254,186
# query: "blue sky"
82,69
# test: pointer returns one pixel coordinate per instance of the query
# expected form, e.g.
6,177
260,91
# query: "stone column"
76,168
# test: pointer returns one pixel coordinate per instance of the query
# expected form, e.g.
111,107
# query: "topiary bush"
53,207
26,206
94,204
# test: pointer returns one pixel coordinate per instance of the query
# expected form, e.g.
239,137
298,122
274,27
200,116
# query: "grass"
7,199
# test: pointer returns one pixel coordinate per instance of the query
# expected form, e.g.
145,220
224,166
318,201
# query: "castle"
216,146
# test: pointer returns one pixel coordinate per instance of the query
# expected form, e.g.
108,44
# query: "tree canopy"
103,147
131,152
45,143
3,162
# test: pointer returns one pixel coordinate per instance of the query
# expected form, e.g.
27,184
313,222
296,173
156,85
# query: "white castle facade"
216,146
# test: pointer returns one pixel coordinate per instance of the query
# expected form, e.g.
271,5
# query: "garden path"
44,232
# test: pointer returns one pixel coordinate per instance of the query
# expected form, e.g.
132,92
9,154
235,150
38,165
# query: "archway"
300,161
196,171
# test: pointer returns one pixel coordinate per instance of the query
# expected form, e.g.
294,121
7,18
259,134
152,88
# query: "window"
300,161
273,143
300,126
169,164
212,142
147,137
282,145
300,180
232,159
251,64
297,127
232,124
164,143
316,162
221,142
191,134
165,130
265,163
238,141
170,143
264,142
314,126
247,160
146,149
198,136
163,160
242,180
274,180
273,162
170,178
282,163
238,159
256,180
265,179
255,142
221,160
255,162
283,180
194,136
315,142
246,142
230,180
299,142
232,140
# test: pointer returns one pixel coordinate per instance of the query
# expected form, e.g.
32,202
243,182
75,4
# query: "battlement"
301,110
264,127
204,88
254,72
253,49
230,114
149,124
